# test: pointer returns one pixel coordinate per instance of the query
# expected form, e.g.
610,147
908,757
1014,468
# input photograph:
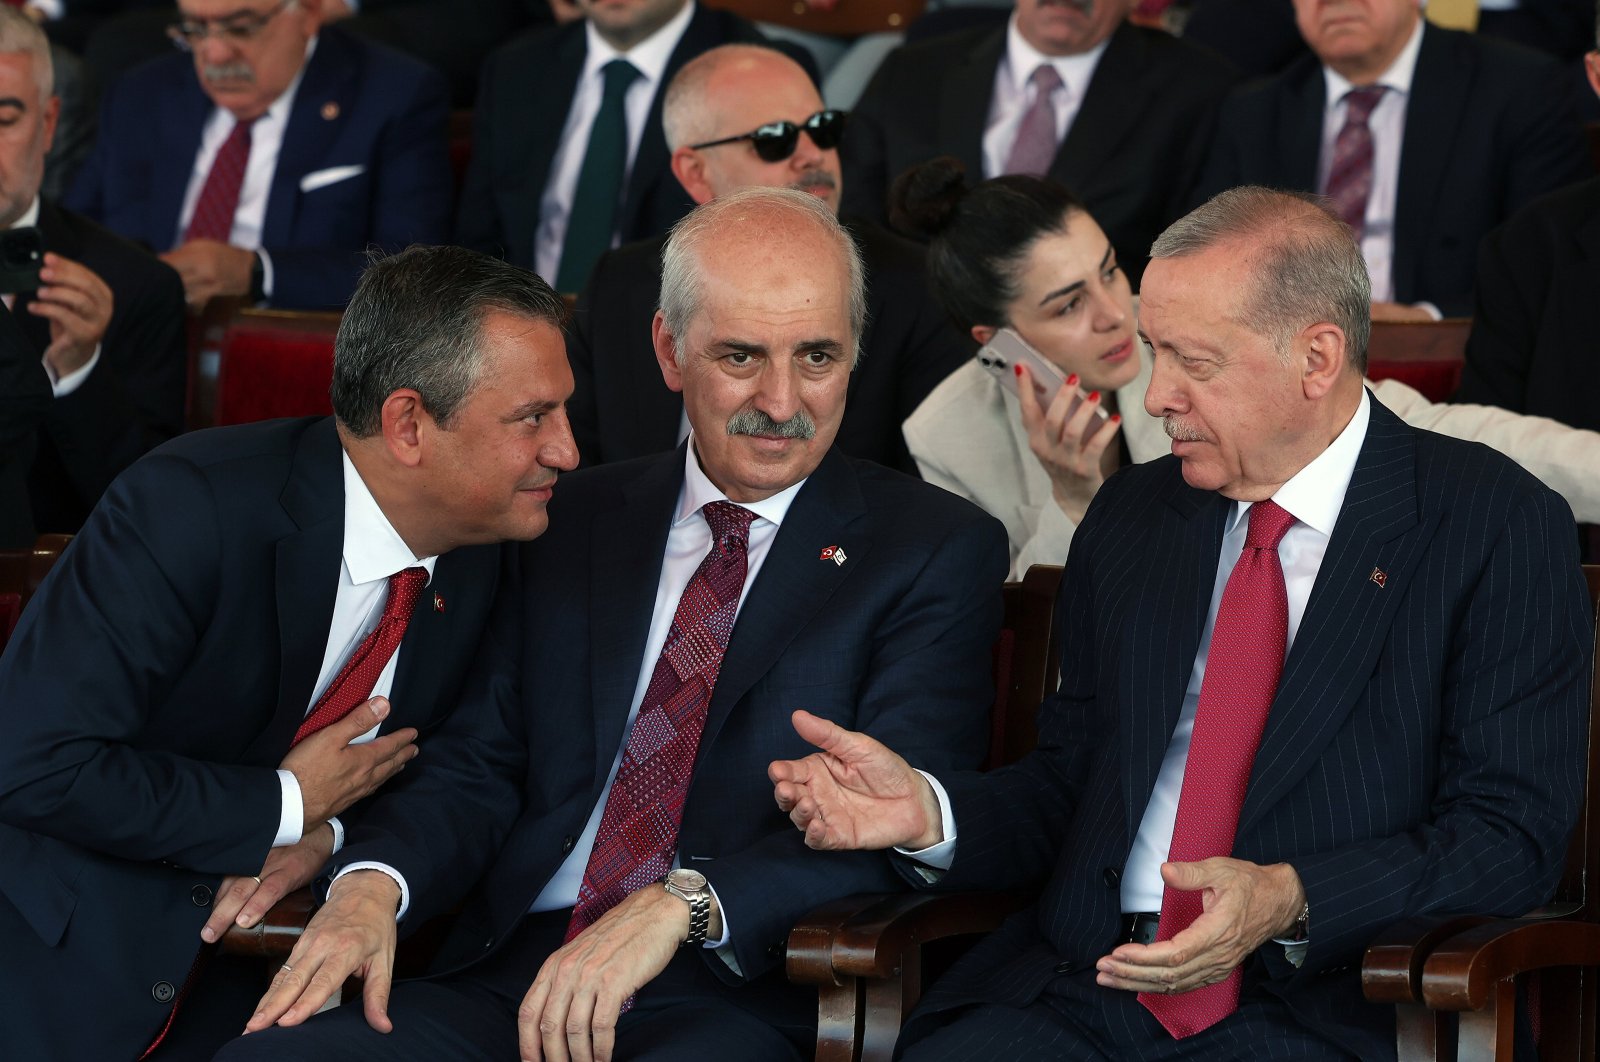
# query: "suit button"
568,843
776,951
200,896
1112,876
488,944
162,992
1066,966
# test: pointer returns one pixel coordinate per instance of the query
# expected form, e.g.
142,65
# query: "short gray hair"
1308,266
21,35
680,264
416,320
685,111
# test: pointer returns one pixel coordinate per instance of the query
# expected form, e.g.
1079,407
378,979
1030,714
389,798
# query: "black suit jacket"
149,692
620,407
1535,315
133,399
894,641
1130,154
1424,752
522,105
1488,128
24,403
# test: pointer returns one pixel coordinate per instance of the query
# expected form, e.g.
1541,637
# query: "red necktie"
219,198
353,684
639,827
1350,175
1035,146
1241,679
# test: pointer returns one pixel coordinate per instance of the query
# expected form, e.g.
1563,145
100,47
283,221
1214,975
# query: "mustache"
1177,429
755,422
1084,6
814,179
211,73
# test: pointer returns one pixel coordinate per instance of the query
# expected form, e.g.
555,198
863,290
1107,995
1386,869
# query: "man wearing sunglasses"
267,160
741,117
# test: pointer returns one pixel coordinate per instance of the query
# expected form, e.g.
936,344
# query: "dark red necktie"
1350,175
219,196
638,831
353,684
1241,679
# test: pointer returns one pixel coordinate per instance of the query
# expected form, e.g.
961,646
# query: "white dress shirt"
1388,125
60,386
649,57
1013,94
266,142
373,551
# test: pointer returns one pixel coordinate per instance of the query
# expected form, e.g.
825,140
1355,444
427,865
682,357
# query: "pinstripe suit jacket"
1423,753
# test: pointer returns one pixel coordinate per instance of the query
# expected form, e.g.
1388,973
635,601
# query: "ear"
983,333
666,353
404,425
1326,356
689,167
1591,67
52,112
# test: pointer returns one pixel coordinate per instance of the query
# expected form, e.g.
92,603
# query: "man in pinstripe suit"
1421,754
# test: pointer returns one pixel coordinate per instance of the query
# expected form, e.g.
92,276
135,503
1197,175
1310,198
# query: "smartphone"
21,255
1006,350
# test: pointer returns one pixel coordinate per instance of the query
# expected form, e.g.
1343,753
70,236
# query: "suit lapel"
964,104
321,106
1434,113
650,163
1300,126
461,579
1108,115
174,164
533,144
1347,618
794,582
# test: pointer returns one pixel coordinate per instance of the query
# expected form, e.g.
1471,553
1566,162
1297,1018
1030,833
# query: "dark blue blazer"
151,689
895,642
1424,752
359,104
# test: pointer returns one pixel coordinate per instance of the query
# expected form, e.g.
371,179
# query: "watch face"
687,880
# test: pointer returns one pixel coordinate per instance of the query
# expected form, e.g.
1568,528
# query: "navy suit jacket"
149,693
1488,128
1424,752
359,104
895,641
25,402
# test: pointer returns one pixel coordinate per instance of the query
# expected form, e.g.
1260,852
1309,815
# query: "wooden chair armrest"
809,960
877,940
1460,973
1391,970
274,936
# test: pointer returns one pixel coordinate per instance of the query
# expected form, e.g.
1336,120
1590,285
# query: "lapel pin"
1379,576
330,111
438,601
833,553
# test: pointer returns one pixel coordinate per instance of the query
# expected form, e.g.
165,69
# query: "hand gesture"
243,901
353,933
1244,905
333,773
78,305
855,793
1069,447
209,268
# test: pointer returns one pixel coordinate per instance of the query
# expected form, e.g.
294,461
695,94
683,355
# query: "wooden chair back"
21,572
1027,664
275,363
852,18
1426,355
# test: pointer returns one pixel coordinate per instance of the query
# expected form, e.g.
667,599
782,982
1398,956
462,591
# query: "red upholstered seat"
275,363
1426,356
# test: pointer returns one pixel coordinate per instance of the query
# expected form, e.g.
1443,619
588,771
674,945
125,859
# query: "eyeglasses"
239,28
776,141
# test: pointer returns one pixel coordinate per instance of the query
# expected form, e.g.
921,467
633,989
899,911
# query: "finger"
287,985
579,1031
1028,400
360,719
322,976
375,997
1078,426
71,298
787,796
530,1039
832,738
273,888
603,1023
787,772
230,898
1061,406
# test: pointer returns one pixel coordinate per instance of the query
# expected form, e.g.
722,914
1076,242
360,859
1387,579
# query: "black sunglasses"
776,141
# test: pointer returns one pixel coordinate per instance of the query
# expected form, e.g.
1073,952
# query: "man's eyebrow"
12,101
735,345
832,346
528,409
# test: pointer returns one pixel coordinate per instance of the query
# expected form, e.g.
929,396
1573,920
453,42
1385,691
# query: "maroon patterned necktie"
219,196
639,828
1035,146
1350,175
353,684
1241,679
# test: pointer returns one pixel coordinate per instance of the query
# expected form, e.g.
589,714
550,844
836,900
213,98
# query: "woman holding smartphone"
1023,253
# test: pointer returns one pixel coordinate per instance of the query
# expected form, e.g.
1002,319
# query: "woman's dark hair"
978,234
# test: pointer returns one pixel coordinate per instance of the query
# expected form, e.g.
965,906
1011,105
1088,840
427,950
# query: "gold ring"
286,968
256,879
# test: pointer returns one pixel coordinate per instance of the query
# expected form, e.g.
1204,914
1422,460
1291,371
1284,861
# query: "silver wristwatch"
690,887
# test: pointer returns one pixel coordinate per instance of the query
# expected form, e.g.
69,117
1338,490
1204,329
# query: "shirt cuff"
74,379
399,879
291,820
1430,309
936,858
721,945
266,272
338,834
50,9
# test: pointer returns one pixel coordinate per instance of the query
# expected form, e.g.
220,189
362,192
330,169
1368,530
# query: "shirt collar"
29,216
698,490
1022,59
373,549
1397,78
1315,494
649,56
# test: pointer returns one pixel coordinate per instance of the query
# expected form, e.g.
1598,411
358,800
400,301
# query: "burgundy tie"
1035,146
219,197
639,827
1350,175
1241,679
353,684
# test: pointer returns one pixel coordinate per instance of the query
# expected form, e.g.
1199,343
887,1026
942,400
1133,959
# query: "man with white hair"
604,785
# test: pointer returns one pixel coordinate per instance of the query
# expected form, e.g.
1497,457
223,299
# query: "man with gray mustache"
742,116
